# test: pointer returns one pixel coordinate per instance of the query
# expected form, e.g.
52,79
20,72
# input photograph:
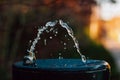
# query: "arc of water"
40,31
32,48
52,24
70,32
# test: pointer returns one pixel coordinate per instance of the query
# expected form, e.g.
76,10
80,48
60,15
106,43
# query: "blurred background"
96,25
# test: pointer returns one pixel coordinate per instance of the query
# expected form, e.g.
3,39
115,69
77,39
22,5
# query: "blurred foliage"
97,51
113,1
19,20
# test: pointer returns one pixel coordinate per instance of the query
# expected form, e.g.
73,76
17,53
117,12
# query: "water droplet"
51,29
36,51
59,54
56,32
44,28
68,39
65,65
94,76
65,43
60,57
83,58
47,31
27,50
61,41
65,35
51,37
30,41
45,42
74,46
65,48
55,35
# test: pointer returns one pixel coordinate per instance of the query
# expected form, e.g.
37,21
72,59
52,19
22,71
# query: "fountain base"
62,69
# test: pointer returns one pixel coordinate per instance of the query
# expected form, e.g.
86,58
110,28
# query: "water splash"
31,57
60,57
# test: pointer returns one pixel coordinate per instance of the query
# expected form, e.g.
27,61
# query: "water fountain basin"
62,69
